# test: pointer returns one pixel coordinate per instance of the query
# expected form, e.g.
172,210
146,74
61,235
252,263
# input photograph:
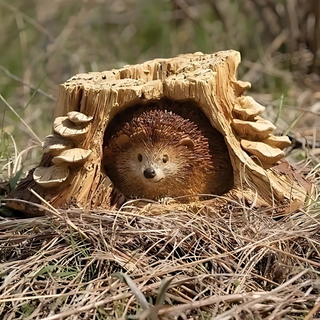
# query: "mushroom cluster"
68,132
255,133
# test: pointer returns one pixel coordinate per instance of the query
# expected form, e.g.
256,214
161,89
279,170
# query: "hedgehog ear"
187,142
123,141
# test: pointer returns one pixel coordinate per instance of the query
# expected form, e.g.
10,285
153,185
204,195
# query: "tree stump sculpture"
71,171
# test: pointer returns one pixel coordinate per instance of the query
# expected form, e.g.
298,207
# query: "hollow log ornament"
71,170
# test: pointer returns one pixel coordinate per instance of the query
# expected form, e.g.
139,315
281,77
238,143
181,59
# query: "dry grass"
235,262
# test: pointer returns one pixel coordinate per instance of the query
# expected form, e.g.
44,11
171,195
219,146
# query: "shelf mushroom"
248,108
75,156
78,117
68,129
265,153
55,144
50,177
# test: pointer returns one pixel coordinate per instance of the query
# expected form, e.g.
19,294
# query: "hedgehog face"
152,167
141,168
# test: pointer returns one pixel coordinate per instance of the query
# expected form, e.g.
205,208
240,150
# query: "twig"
89,306
260,296
313,311
12,76
57,213
27,126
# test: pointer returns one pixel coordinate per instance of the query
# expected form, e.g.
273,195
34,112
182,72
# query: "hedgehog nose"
149,173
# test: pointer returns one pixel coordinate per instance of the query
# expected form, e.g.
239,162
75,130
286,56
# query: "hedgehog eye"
140,157
165,158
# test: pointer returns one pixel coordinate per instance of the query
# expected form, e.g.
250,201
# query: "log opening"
166,148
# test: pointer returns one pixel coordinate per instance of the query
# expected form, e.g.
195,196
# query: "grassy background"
43,43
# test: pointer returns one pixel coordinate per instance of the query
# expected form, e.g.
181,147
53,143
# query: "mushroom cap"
248,108
66,128
55,144
241,86
277,142
266,154
253,130
50,177
75,156
78,117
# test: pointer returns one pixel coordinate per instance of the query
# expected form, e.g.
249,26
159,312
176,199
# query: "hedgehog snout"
149,173
153,174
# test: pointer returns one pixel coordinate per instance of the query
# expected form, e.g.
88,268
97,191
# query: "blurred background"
44,43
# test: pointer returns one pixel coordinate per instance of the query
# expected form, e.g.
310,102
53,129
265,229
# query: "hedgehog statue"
167,149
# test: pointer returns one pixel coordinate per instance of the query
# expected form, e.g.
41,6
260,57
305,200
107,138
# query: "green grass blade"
293,124
279,110
13,181
139,295
165,283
